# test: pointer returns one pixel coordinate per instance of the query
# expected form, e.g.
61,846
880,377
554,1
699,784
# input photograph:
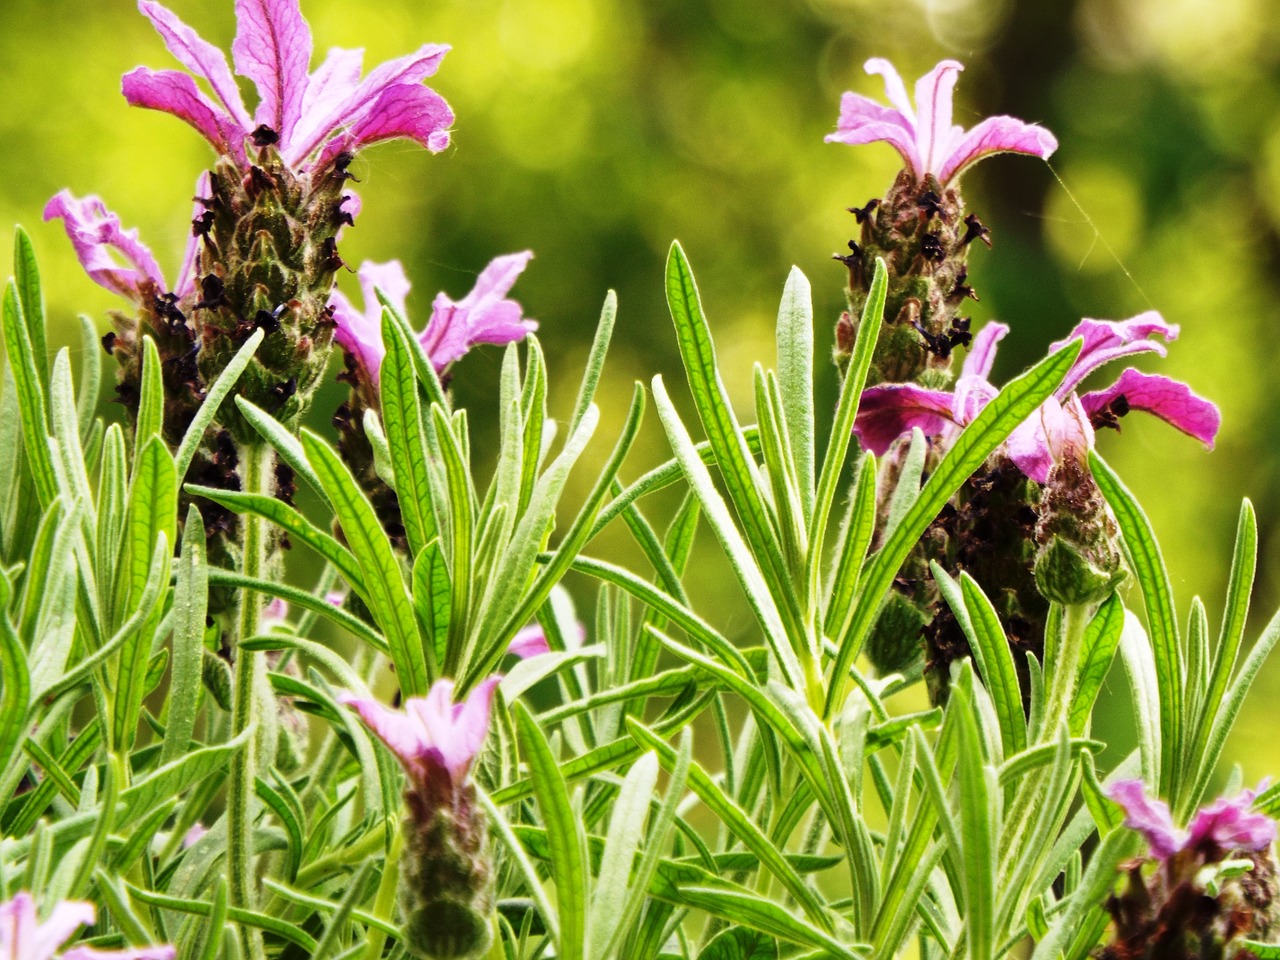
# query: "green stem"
255,466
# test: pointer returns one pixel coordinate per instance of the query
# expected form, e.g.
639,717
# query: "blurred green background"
595,131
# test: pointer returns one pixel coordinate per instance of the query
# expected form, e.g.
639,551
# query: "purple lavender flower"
311,119
891,410
1224,826
24,937
484,315
432,736
924,135
529,642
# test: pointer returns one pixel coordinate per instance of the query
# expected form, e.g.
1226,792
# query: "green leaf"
739,943
595,360
1135,652
1097,882
26,366
1162,623
190,606
733,457
795,379
283,442
15,682
150,421
1017,401
765,916
564,835
978,831
1100,641
995,660
740,824
26,273
626,832
406,436
846,413
386,595
856,536
90,376
292,522
200,908
433,601
173,778
759,594
216,393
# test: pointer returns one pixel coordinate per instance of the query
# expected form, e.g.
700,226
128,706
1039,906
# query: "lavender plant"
445,746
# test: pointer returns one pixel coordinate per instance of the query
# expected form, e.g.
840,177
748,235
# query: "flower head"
924,135
432,735
310,118
485,315
24,937
1225,825
889,411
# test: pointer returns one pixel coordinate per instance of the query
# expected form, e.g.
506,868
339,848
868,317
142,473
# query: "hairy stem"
255,465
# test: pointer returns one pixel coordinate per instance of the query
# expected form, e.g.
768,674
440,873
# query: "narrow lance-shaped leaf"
795,379
190,603
1162,623
564,836
150,422
385,591
406,436
31,395
26,274
216,393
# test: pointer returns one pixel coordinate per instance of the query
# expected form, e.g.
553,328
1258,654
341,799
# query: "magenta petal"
529,642
273,49
1149,817
471,726
890,410
333,83
1107,340
996,135
1028,447
934,131
1171,401
390,279
358,334
199,56
176,93
1232,825
347,112
482,316
402,110
96,234
186,282
982,352
1067,429
864,121
894,88
399,732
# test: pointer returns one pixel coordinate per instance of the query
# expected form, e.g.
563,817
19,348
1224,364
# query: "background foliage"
594,131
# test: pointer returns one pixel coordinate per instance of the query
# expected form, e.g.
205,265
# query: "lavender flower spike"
311,118
485,315
432,735
24,937
924,135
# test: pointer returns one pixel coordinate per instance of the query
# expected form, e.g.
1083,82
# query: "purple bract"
24,937
891,410
1223,826
311,118
924,135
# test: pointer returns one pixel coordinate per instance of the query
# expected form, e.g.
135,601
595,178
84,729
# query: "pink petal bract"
360,332
482,316
1232,825
172,92
531,641
1170,400
890,410
925,136
273,49
406,110
982,351
199,56
1108,340
97,237
1148,816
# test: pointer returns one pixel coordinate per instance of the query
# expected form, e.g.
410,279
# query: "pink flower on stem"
485,315
891,410
24,937
435,739
1223,826
529,642
311,118
924,134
